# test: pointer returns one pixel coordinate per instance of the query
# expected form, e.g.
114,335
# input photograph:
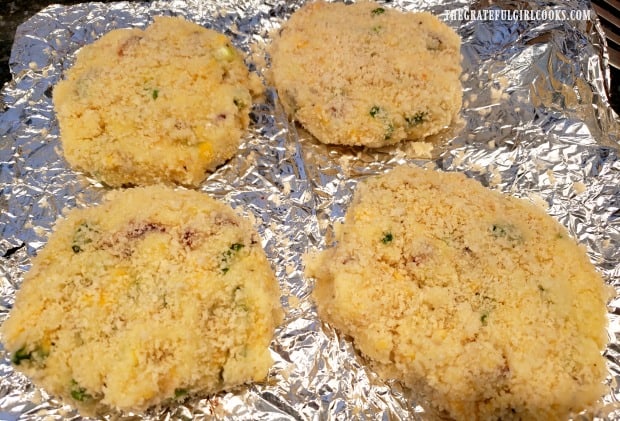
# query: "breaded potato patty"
167,104
152,296
480,302
365,74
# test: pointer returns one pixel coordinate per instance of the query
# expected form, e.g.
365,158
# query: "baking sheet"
535,124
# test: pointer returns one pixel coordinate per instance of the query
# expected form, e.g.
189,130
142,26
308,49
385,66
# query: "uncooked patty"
366,74
166,104
150,297
480,302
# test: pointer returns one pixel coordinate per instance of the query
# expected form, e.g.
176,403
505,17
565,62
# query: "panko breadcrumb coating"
150,297
166,104
480,302
366,74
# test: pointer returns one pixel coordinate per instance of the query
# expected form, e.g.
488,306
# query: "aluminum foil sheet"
535,123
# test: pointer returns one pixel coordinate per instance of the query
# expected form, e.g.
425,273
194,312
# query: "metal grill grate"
608,12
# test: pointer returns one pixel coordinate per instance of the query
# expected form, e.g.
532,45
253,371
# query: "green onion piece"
498,230
374,111
179,392
236,246
79,393
20,355
508,231
84,234
228,255
378,11
155,93
387,238
416,119
239,103
389,131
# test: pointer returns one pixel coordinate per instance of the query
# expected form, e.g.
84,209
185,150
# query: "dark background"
12,13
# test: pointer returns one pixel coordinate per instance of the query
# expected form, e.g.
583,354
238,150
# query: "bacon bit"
337,110
190,237
419,259
221,220
434,43
128,44
180,125
141,229
118,241
253,239
117,246
504,370
348,258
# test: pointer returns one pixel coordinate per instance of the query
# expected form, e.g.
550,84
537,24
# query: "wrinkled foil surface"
535,124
